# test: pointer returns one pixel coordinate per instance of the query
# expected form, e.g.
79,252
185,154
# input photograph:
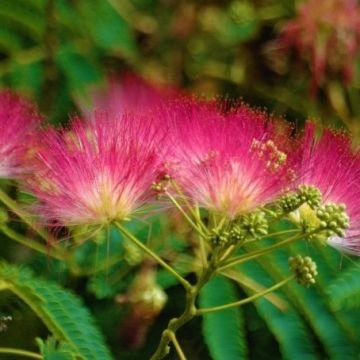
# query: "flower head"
18,120
96,172
327,34
128,93
227,163
330,165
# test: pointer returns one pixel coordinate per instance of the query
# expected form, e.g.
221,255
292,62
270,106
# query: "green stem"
188,313
193,211
177,346
247,300
186,216
131,237
14,207
31,243
19,352
240,259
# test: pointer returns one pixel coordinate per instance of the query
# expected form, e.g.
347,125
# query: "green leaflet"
288,327
345,290
108,29
328,261
316,311
61,311
223,331
51,349
79,69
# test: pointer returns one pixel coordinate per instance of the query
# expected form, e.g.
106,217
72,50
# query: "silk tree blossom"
97,172
327,34
227,163
128,93
331,165
18,122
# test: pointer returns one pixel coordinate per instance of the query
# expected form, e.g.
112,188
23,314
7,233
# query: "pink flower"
327,34
18,121
129,93
96,172
330,165
227,163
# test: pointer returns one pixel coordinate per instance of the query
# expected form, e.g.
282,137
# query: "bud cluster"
253,225
219,237
333,218
269,152
159,187
249,226
304,194
304,268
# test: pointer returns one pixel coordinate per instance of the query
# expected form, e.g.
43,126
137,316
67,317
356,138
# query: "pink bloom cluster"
330,164
18,121
229,162
327,34
96,172
129,93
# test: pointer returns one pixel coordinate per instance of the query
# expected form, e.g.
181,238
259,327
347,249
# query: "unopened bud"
333,218
253,225
304,268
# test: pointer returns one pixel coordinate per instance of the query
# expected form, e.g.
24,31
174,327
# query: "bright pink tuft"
330,164
128,93
226,163
18,121
97,172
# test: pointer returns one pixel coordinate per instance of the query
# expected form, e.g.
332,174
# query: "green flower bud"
304,268
305,194
333,219
310,195
253,225
219,237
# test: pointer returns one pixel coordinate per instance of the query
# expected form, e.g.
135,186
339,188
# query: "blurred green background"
56,51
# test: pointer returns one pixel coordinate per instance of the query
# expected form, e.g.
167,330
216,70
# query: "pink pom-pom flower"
127,93
97,172
226,163
18,122
330,164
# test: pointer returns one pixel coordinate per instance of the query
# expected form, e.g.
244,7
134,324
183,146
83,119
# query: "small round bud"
219,237
305,194
310,195
333,218
235,235
253,225
304,269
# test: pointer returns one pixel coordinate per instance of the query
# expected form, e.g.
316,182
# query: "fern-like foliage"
287,326
224,331
326,326
344,291
61,311
51,349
